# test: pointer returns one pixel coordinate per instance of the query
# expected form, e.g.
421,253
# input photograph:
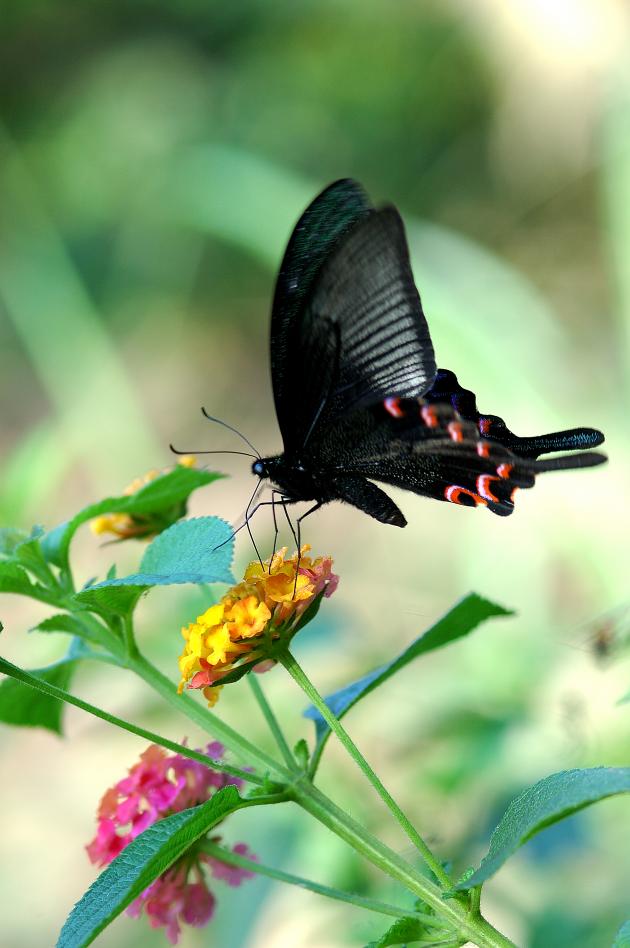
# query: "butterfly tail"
447,390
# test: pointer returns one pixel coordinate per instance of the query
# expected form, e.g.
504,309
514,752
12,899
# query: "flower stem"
54,692
373,905
453,910
298,675
204,718
272,721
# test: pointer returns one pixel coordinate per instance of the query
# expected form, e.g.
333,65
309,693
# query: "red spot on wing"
455,493
484,425
483,486
504,470
392,405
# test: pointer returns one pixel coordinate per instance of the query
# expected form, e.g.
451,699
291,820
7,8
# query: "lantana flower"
158,785
263,611
125,526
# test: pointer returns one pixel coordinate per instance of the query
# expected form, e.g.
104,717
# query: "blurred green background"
153,158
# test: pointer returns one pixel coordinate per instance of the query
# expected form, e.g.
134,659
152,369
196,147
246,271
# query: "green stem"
7,668
272,721
373,905
98,632
204,718
131,649
454,911
298,675
475,901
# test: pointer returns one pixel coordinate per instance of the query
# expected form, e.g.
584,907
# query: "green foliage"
458,622
547,802
407,931
622,938
156,505
15,579
191,551
65,622
23,706
139,864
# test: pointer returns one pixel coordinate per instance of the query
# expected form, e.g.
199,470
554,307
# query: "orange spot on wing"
454,494
429,416
484,426
504,470
483,449
455,431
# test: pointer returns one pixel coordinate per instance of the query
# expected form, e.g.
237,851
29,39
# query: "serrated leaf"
404,931
107,601
547,802
462,619
165,493
62,622
191,551
139,864
23,706
622,938
15,579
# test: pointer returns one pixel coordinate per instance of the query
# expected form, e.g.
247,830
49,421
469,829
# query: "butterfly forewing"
365,311
321,226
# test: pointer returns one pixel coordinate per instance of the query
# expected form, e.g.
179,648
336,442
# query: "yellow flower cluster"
266,605
125,526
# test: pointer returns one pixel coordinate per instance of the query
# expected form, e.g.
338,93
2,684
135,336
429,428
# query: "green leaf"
139,864
547,802
10,539
24,549
15,579
62,622
622,938
163,498
460,621
191,551
23,706
404,931
72,625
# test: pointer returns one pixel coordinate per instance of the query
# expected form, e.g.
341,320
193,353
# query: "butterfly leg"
248,517
274,494
299,539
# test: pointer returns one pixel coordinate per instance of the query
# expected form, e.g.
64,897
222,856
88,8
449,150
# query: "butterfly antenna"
230,428
248,517
244,454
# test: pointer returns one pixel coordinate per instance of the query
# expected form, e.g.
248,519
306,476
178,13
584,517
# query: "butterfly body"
357,392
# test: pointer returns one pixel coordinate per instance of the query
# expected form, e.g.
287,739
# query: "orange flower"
262,611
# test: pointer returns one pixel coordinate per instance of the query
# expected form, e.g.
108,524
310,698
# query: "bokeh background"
153,158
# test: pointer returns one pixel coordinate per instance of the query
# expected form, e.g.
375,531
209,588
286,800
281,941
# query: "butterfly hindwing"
446,388
427,448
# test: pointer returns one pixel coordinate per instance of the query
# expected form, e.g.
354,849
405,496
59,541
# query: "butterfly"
357,393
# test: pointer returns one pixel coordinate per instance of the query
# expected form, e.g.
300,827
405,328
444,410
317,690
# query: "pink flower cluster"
157,786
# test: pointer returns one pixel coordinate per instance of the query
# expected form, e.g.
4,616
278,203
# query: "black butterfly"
356,389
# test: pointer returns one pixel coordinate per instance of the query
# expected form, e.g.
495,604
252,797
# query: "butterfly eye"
258,468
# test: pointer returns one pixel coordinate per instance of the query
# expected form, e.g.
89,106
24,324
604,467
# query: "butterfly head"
260,468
